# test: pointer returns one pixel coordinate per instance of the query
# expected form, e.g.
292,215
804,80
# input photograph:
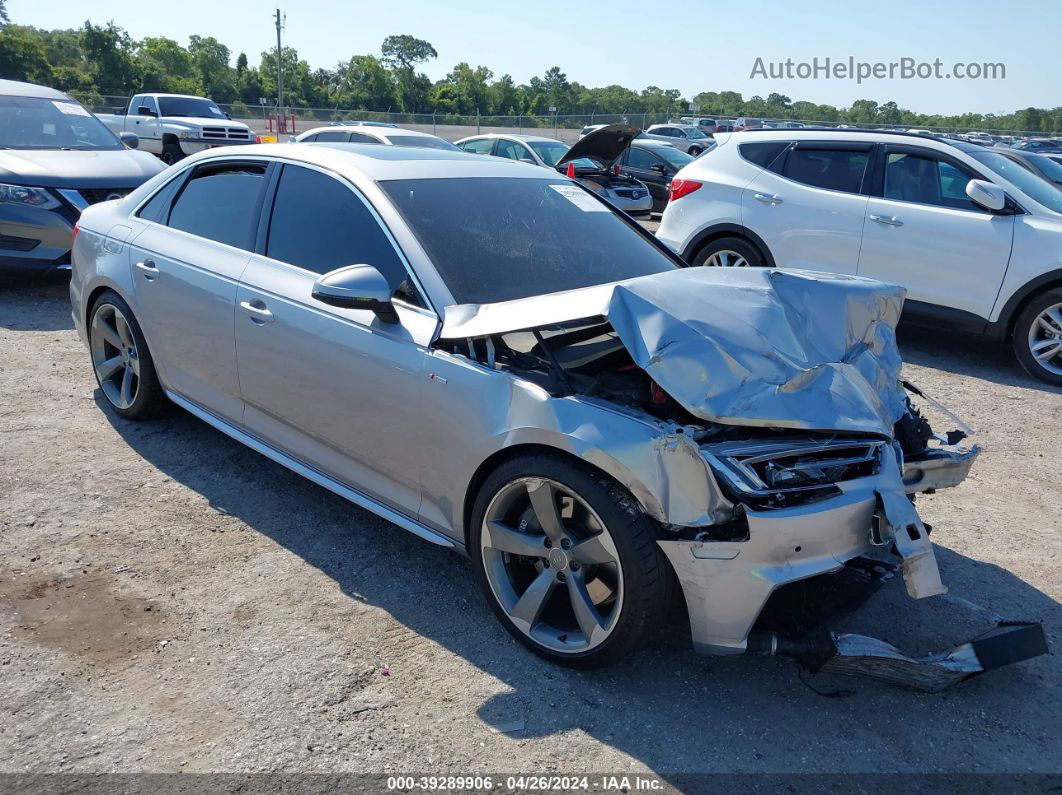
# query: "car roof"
16,88
377,132
649,143
850,133
382,163
516,136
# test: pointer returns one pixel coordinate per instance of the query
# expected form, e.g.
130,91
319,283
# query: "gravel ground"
172,601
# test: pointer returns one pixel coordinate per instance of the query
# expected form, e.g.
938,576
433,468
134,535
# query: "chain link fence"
452,126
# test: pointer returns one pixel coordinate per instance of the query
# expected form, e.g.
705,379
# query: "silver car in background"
494,359
378,133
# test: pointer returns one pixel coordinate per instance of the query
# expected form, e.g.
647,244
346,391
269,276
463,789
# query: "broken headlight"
779,474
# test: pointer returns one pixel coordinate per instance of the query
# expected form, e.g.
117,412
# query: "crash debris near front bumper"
784,385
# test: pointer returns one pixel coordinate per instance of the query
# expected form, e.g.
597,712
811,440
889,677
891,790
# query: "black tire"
171,153
1028,322
738,245
646,576
149,400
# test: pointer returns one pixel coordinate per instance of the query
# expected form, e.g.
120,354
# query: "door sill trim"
308,472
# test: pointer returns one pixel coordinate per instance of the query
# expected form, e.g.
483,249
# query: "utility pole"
280,76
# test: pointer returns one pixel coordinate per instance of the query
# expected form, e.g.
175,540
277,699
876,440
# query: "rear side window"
764,153
362,138
221,203
333,135
319,224
832,169
156,208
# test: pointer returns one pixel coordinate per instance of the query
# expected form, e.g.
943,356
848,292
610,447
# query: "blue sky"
691,45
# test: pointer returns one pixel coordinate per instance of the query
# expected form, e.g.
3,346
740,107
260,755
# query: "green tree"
109,52
22,56
211,60
406,52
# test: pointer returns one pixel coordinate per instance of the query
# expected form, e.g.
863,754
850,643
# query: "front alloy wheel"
552,565
567,561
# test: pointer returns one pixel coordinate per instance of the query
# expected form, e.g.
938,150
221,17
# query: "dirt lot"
171,601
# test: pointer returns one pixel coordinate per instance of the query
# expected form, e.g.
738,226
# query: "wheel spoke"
529,606
134,363
507,539
1054,314
106,369
1045,350
127,387
544,501
122,326
110,334
586,614
593,550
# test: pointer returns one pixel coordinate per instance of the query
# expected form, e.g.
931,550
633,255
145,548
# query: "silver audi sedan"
497,360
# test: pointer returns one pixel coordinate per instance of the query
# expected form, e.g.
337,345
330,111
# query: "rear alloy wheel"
570,573
729,252
1038,337
124,369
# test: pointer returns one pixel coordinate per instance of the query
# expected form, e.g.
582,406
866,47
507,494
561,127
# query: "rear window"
764,153
501,238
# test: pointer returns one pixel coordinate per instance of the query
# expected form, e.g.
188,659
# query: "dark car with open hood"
56,159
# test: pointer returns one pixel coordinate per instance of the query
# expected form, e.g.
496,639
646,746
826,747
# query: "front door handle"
767,198
257,311
886,220
148,268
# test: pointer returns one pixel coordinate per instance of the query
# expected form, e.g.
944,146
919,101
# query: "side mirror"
357,287
659,168
130,139
142,111
991,197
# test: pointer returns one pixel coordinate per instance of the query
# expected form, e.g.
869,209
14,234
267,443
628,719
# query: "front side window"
832,169
39,123
676,157
926,180
481,146
318,223
500,238
640,159
550,151
514,150
221,203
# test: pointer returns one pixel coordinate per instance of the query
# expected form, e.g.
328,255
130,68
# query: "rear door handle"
148,268
767,198
886,220
257,311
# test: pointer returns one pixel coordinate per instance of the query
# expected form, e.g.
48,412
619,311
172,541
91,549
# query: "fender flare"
1003,326
727,230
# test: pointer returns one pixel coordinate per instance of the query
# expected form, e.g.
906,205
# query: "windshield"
190,107
423,141
500,238
1050,167
549,151
675,157
39,123
1037,188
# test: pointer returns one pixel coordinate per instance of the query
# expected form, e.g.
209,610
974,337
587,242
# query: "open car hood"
750,346
604,145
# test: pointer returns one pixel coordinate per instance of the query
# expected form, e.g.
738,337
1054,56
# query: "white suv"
974,237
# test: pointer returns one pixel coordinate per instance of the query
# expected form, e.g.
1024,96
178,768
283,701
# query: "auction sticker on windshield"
71,108
579,197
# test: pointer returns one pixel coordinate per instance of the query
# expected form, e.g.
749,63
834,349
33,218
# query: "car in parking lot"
747,123
686,137
1040,164
388,135
592,160
56,159
493,358
654,163
705,125
1046,145
974,237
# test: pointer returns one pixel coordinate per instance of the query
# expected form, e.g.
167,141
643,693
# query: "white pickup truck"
175,125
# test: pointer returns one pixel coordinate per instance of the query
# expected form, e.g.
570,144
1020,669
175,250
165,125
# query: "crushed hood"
749,346
604,145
